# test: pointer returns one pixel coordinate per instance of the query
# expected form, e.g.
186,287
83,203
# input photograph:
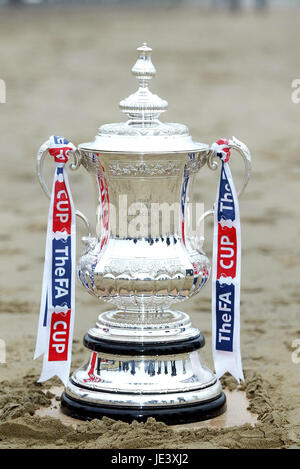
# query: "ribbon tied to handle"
57,311
226,271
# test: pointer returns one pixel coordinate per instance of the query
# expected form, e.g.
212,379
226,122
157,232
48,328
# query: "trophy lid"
143,132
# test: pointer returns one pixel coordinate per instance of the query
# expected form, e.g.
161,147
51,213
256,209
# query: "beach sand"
66,69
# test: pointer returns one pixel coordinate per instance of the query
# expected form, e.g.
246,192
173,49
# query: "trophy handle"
73,166
213,163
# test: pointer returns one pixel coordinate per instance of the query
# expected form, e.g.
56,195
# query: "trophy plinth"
141,369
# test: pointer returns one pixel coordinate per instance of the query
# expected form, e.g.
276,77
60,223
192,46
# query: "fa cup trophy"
145,357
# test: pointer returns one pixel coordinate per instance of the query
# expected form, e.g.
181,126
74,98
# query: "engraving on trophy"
143,169
156,130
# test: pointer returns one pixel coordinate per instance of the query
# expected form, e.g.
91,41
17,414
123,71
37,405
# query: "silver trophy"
144,356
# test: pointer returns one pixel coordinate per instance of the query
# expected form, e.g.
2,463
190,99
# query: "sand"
65,71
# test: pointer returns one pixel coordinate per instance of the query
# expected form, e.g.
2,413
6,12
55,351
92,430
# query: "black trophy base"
169,415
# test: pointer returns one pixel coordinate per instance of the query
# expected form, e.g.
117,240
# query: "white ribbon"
226,272
57,311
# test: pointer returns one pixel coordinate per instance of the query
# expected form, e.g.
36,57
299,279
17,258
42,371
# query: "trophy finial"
143,105
144,69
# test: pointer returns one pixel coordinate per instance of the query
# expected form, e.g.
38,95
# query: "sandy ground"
66,70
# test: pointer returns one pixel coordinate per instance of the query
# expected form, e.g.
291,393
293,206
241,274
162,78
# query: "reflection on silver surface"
142,381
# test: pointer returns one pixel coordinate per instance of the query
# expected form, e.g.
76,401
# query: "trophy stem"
133,326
